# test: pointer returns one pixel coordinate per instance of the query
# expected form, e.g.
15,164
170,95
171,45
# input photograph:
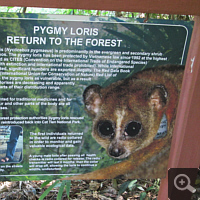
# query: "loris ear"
92,99
158,97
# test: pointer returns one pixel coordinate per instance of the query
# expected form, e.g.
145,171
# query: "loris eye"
105,128
133,128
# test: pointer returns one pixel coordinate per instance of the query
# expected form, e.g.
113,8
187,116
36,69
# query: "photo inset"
11,144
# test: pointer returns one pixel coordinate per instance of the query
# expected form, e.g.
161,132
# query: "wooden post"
185,149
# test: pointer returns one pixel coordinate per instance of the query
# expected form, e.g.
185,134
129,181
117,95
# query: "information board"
45,66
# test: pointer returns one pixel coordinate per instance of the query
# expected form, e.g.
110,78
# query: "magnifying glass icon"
182,182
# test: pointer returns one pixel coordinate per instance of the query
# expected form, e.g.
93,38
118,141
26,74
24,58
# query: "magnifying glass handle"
191,189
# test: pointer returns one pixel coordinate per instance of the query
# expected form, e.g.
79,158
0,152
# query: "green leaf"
61,189
140,188
143,195
132,184
9,7
123,187
67,187
151,188
197,182
48,190
45,183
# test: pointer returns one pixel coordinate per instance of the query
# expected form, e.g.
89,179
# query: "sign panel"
45,66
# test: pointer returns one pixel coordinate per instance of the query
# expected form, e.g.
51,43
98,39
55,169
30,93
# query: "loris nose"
116,152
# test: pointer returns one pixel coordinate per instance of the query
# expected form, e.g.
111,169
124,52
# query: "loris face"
126,115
